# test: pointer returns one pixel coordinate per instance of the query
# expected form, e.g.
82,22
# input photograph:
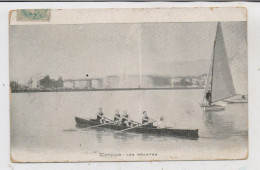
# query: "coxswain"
208,97
117,117
100,116
125,119
161,123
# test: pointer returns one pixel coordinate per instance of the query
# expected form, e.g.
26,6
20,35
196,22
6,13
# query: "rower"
208,97
161,123
146,120
117,117
100,116
125,120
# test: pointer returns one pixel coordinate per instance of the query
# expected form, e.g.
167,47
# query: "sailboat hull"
237,99
233,101
213,108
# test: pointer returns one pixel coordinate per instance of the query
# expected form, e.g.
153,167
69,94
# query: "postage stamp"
33,15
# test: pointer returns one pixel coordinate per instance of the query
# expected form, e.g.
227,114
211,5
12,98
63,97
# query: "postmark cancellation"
33,15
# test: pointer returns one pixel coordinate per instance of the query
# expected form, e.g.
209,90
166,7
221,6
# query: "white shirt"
160,125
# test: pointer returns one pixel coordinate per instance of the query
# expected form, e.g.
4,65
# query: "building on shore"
161,81
68,84
131,81
186,81
97,83
34,81
77,84
180,81
136,81
111,82
175,81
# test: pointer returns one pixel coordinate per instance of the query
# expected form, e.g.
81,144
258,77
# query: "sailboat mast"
212,68
207,80
210,71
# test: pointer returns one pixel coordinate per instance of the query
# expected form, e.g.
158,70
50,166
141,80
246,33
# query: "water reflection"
124,136
99,137
146,137
217,126
222,125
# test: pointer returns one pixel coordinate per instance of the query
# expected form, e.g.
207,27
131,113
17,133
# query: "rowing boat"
187,133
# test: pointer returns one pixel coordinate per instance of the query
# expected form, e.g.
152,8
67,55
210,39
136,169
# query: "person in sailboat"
117,117
208,97
146,121
125,119
100,116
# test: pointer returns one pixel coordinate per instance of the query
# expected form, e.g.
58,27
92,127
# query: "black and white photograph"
128,87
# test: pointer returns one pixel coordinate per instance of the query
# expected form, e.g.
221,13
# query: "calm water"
43,126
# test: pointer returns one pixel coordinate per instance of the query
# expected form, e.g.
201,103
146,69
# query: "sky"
72,51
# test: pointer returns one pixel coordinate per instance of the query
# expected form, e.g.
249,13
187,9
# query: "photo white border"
137,15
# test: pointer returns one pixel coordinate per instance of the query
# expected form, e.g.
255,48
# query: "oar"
99,125
108,119
133,127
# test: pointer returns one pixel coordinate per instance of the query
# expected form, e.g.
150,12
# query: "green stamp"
33,15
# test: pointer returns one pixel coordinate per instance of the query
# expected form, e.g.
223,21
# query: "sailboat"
238,66
219,79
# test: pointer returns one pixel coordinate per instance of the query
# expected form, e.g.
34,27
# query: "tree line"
47,82
44,83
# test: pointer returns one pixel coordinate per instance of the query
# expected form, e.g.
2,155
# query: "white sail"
220,79
238,68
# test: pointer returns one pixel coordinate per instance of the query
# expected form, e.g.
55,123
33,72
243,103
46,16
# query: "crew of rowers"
125,121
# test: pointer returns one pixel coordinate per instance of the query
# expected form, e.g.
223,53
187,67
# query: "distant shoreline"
113,89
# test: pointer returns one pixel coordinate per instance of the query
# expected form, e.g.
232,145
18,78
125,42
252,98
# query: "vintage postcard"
128,84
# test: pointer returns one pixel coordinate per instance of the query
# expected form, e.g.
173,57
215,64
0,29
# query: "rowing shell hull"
82,123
